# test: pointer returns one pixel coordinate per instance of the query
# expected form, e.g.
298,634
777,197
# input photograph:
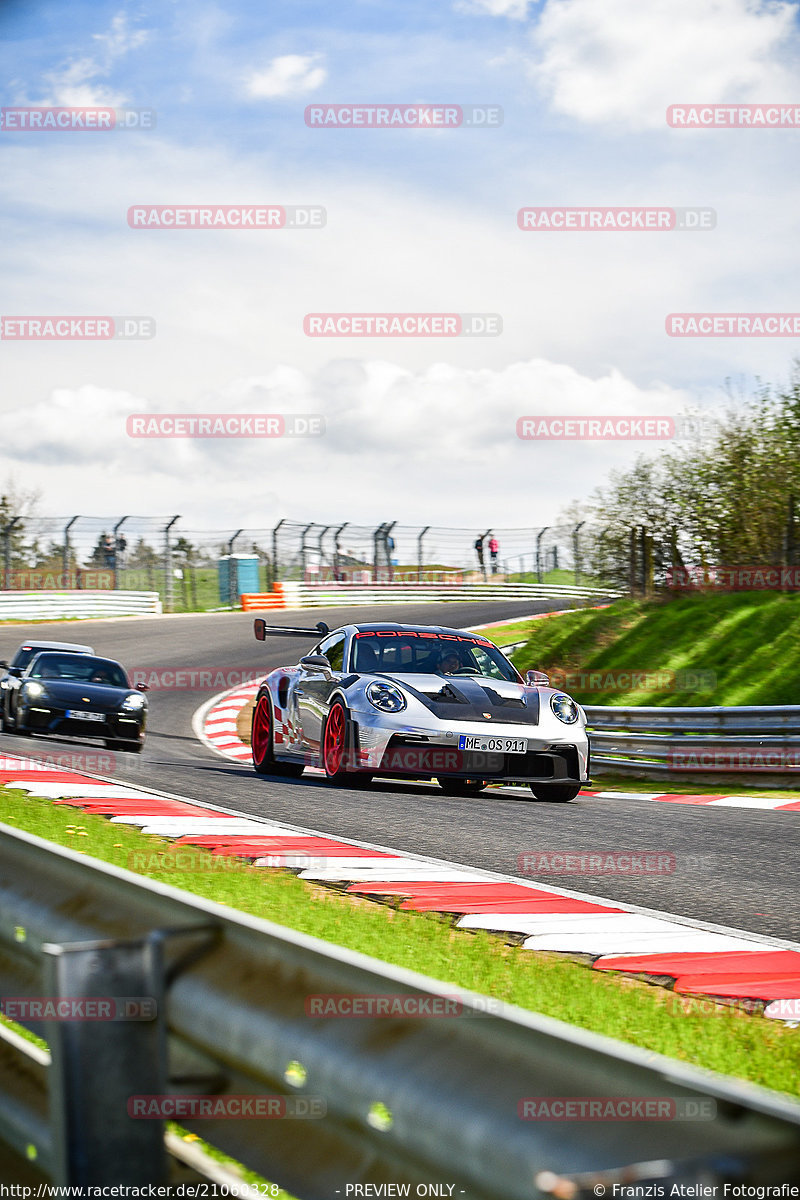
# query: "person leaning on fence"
494,547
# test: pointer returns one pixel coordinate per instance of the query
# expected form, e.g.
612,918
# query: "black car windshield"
79,668
429,654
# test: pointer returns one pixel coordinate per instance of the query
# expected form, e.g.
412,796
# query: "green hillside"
739,648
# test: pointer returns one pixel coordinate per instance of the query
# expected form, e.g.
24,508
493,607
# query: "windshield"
429,654
79,668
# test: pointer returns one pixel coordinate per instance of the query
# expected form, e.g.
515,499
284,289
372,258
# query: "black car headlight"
564,708
386,697
35,691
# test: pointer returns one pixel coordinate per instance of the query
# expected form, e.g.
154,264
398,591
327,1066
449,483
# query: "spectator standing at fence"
109,550
494,547
479,552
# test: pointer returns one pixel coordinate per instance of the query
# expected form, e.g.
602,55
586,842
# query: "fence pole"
387,529
275,533
376,536
539,536
168,577
7,531
117,528
336,536
66,550
233,579
576,550
420,536
632,561
303,550
321,549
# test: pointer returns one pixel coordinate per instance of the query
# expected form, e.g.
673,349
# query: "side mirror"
537,679
16,672
143,687
259,629
317,662
3,663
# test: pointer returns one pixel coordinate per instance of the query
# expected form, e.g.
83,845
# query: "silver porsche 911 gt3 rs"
416,701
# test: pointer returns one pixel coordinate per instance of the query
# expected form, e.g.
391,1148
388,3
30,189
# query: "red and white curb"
215,726
702,958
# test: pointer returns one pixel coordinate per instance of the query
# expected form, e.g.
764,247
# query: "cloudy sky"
418,220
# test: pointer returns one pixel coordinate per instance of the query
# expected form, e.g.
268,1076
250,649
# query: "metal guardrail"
406,1101
319,595
758,741
46,605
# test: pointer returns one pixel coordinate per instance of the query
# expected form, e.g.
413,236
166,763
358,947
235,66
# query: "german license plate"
501,745
77,714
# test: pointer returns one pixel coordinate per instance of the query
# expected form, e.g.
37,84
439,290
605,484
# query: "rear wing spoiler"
261,629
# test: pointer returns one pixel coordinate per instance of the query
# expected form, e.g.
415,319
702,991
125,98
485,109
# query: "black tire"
262,746
461,787
336,747
555,793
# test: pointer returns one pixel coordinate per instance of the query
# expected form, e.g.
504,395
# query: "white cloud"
78,83
516,9
386,425
287,75
624,61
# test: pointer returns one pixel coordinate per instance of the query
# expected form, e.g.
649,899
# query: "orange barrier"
255,601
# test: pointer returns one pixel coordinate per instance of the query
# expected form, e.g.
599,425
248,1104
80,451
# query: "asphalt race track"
733,867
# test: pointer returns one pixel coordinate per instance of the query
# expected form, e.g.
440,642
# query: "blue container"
236,575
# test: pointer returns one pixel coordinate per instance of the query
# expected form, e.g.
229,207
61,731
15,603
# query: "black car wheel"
264,760
557,793
461,787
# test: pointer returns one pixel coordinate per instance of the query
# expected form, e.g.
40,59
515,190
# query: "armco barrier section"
760,742
45,605
320,595
222,1009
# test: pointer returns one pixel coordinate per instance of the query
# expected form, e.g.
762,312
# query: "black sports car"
80,695
14,670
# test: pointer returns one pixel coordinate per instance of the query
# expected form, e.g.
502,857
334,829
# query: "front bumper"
555,754
116,725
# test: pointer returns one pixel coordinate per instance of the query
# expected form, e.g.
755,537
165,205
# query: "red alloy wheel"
261,738
334,741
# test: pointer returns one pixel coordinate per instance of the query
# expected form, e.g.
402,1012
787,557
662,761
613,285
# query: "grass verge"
723,1039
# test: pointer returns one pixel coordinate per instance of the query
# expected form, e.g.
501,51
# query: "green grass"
727,1041
733,649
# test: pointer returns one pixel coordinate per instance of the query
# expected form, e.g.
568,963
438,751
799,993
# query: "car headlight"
387,698
34,690
564,708
134,701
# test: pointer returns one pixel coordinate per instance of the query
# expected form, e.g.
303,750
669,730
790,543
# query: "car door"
314,690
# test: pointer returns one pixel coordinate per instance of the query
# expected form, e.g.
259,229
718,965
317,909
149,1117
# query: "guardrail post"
99,1065
169,582
7,531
